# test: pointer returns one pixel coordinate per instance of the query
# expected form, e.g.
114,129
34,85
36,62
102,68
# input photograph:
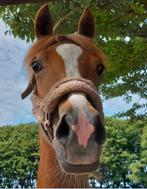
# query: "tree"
139,169
18,156
121,31
124,156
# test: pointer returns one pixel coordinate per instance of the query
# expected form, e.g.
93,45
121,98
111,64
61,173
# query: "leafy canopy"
18,156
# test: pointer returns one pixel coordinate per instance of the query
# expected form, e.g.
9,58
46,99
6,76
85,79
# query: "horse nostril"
100,135
62,128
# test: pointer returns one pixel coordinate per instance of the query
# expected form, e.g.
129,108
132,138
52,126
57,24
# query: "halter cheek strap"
43,108
42,117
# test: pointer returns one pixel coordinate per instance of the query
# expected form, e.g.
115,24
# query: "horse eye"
36,66
100,69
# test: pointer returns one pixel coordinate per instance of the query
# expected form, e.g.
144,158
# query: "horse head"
65,71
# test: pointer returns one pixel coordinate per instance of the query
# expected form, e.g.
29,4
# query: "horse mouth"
78,168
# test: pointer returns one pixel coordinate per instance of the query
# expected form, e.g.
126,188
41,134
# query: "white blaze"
78,100
70,54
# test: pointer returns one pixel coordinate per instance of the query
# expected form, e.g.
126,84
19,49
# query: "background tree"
121,31
139,168
124,159
18,156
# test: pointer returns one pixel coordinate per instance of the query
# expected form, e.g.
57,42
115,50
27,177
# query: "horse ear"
43,22
86,24
29,88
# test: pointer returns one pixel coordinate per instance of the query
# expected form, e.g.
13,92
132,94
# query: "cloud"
13,80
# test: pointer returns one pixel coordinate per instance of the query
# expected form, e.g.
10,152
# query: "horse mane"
84,42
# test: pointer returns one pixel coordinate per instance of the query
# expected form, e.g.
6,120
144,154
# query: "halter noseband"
43,108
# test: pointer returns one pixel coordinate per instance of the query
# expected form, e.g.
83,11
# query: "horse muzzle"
79,133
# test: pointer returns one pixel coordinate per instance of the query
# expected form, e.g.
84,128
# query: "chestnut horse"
64,71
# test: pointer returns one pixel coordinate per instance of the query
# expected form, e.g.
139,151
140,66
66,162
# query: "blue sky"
13,81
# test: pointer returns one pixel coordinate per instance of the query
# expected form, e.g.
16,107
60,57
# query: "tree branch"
60,21
127,12
15,2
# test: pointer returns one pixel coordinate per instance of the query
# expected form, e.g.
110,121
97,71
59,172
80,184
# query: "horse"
64,72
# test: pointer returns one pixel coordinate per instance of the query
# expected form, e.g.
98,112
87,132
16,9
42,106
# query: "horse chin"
77,160
78,169
78,165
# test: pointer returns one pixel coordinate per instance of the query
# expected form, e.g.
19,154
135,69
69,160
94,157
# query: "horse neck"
50,175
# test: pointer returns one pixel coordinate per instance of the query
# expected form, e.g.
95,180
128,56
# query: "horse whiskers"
65,180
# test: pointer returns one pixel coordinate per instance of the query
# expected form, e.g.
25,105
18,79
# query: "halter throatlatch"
44,107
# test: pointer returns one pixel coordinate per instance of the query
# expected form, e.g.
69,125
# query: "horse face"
78,127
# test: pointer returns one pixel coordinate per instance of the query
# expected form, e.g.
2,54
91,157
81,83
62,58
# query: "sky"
14,79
